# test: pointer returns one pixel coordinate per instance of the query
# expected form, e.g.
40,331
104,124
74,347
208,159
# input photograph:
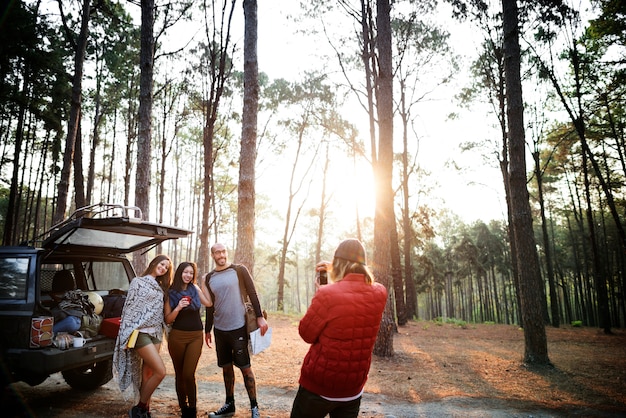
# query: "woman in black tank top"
184,342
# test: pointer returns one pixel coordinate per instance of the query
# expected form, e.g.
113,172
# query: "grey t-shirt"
229,309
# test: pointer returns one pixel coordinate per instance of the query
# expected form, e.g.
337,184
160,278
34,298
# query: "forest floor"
438,370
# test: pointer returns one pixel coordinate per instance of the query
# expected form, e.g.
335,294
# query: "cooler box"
110,327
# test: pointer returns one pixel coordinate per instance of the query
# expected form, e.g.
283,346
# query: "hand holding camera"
322,273
323,277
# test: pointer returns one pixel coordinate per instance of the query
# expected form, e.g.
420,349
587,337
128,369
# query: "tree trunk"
207,192
75,114
369,63
95,141
144,137
471,296
604,317
13,206
409,299
396,274
167,95
322,211
383,168
219,69
449,295
23,217
496,297
504,170
79,178
244,253
128,159
536,346
40,219
547,248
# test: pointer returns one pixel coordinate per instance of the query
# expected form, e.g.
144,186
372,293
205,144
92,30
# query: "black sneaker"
227,410
137,412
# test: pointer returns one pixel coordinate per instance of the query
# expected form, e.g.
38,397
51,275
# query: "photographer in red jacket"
341,325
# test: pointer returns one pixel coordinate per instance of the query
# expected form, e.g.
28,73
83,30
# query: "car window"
57,278
103,275
13,277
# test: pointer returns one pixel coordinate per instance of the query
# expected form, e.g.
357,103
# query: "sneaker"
255,412
227,410
137,412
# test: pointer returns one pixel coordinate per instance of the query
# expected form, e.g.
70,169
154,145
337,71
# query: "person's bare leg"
153,371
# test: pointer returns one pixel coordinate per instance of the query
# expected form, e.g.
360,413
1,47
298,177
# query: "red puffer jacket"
341,325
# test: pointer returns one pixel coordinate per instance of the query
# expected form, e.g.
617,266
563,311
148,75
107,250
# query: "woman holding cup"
182,312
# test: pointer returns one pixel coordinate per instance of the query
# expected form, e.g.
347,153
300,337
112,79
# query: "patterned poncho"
143,309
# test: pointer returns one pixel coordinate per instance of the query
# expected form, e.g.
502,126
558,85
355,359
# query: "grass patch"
453,321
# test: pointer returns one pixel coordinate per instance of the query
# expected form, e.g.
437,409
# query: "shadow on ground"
54,398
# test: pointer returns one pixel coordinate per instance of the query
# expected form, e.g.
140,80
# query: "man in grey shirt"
227,316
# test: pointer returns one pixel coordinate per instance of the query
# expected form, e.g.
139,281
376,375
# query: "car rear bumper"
50,360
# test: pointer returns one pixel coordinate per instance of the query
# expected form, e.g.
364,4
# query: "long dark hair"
164,280
177,283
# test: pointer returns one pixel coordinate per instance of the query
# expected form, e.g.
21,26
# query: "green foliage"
453,321
611,24
32,67
577,323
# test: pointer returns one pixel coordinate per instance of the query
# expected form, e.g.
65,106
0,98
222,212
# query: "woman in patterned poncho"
140,370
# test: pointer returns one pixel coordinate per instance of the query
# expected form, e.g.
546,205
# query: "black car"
86,252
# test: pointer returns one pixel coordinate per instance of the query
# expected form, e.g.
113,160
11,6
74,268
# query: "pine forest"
477,148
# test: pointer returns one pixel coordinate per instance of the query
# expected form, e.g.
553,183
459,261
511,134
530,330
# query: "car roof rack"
100,210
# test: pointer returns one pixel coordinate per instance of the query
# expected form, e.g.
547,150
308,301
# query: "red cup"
187,298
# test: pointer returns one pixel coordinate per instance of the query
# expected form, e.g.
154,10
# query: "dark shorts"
232,347
144,339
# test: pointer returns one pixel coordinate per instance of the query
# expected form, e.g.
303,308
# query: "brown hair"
166,279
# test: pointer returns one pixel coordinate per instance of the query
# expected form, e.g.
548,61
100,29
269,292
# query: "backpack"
113,305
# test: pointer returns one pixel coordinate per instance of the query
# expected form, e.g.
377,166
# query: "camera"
323,277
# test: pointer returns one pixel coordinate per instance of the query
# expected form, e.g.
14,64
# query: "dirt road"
436,371
54,399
